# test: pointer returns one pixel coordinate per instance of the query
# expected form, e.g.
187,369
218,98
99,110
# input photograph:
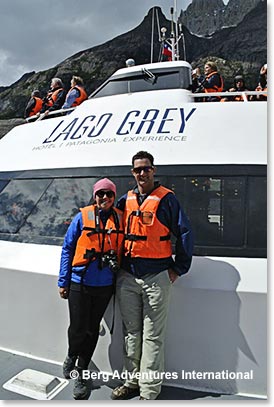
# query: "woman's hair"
78,80
212,65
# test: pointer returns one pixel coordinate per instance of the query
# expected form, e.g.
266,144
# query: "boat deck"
12,364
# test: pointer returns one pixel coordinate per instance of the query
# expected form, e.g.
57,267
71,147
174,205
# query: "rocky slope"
203,17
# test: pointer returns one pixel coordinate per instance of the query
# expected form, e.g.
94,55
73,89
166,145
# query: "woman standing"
90,254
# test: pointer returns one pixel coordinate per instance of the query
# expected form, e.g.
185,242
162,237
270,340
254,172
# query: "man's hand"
172,275
63,291
263,70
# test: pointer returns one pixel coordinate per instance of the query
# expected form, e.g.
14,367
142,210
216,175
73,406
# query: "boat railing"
245,95
193,96
57,113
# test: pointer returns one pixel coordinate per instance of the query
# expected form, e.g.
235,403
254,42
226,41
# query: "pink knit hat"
104,183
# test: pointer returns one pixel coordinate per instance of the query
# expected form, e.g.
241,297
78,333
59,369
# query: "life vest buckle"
90,254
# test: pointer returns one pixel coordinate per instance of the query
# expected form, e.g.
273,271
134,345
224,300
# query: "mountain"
203,17
240,49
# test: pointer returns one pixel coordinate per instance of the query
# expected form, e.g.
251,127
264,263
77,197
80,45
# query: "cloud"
38,34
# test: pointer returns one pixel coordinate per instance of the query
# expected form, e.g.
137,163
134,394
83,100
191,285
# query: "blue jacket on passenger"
171,215
94,275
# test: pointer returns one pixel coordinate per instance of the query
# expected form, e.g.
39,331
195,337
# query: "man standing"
151,214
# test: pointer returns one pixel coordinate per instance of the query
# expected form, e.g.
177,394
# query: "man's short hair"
58,82
143,154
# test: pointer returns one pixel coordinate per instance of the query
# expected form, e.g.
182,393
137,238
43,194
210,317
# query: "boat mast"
152,36
176,30
175,35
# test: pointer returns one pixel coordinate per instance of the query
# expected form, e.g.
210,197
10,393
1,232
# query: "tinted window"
257,212
3,184
59,204
227,213
17,201
214,206
143,82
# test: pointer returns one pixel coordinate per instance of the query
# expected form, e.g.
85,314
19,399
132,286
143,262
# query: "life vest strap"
91,254
134,238
98,230
167,237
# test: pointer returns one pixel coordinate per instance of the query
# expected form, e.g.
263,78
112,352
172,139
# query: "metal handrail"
62,112
228,94
41,116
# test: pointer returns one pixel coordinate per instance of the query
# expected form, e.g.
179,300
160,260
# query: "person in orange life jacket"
151,214
238,86
34,104
55,97
210,82
86,280
77,94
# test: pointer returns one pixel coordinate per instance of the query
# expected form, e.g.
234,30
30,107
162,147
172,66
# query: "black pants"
87,306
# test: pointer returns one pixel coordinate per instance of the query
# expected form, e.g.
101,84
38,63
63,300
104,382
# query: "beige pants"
144,307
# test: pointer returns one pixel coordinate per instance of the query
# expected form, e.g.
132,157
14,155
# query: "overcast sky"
38,34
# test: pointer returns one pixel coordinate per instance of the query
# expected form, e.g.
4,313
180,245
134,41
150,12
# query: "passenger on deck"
262,85
210,82
86,278
238,86
55,97
34,104
77,94
152,214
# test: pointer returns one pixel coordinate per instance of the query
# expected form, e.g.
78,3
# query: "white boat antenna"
183,38
158,25
152,36
176,30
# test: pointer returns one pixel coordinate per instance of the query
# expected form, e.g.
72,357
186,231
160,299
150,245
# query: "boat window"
17,201
257,212
59,204
215,207
227,213
143,82
3,184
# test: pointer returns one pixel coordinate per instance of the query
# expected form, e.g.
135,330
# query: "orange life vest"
215,88
82,95
37,107
96,238
145,235
52,96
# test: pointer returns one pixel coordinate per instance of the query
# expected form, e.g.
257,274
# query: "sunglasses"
138,170
101,194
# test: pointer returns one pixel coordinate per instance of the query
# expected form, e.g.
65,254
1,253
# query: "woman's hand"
63,291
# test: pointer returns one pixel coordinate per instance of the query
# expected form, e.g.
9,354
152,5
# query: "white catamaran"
212,155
